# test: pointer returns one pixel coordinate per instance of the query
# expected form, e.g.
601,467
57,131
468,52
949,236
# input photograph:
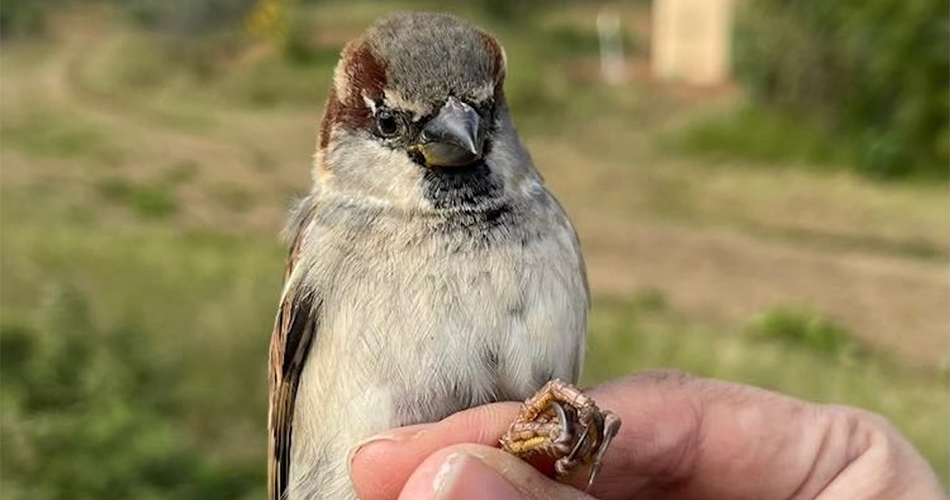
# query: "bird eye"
387,123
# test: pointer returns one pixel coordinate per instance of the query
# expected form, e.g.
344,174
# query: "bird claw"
562,422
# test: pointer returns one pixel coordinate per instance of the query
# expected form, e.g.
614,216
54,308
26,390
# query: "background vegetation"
149,150
876,71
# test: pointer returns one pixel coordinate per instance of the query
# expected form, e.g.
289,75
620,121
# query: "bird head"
417,107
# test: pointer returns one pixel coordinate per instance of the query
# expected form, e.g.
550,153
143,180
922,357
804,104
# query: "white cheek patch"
392,178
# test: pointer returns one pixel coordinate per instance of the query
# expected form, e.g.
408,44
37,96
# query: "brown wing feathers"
290,342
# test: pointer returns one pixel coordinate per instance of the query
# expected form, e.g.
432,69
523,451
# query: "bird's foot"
562,422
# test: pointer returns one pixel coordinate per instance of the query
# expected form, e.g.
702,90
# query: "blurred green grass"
764,136
627,335
40,132
145,179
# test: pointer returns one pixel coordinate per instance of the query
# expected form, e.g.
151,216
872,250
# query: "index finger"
380,467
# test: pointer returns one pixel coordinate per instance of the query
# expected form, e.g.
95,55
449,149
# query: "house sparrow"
430,270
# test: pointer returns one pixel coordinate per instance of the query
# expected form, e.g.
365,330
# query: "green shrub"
805,328
89,413
24,17
876,72
145,201
761,135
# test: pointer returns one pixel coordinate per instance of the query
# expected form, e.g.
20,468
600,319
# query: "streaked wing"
290,343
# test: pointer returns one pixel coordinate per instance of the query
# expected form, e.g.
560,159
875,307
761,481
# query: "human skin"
682,438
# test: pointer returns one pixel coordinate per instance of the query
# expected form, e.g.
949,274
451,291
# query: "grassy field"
144,182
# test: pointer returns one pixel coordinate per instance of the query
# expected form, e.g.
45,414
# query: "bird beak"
454,138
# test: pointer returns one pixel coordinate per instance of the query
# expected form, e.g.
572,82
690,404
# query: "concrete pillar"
692,41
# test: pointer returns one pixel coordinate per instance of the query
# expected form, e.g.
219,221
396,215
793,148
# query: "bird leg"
562,422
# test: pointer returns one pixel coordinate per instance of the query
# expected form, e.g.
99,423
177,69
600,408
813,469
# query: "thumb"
470,471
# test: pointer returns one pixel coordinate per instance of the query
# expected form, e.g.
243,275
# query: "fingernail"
464,477
394,436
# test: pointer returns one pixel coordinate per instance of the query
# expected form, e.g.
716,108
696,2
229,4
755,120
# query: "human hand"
682,438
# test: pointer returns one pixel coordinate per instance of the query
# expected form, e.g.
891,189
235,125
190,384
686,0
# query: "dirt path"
83,35
226,165
728,276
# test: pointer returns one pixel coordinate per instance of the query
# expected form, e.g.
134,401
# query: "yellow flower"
268,20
